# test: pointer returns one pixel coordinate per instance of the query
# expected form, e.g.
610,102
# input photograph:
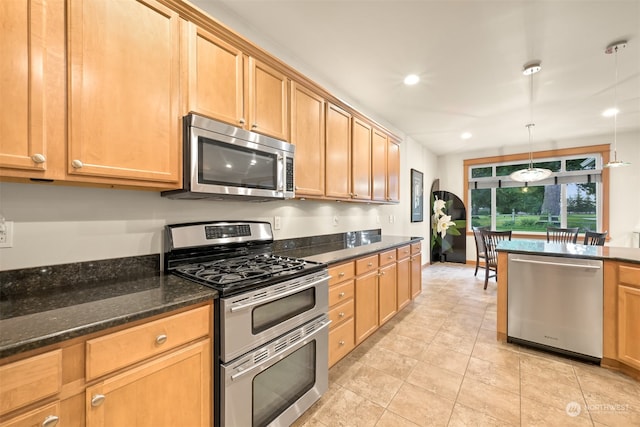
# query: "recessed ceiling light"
466,135
411,79
610,112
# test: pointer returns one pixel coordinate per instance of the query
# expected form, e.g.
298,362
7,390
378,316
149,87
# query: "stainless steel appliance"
223,161
271,338
556,303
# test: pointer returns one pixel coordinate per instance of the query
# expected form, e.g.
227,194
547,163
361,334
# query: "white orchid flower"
438,207
444,222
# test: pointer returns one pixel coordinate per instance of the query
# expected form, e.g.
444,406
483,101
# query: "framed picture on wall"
417,197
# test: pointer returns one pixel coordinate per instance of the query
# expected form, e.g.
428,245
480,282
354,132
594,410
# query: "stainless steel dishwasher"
556,303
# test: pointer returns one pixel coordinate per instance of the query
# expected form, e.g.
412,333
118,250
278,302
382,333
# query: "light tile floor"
437,363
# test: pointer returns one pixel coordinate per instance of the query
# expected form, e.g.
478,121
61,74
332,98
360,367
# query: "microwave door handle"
278,296
277,354
283,169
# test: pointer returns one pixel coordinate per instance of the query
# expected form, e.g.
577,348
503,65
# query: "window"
574,196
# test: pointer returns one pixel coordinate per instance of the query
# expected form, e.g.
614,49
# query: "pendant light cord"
615,106
530,124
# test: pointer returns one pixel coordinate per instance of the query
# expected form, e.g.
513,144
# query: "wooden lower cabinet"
387,290
403,283
172,390
341,341
416,275
163,376
341,311
629,315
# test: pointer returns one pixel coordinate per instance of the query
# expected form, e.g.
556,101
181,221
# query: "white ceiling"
469,56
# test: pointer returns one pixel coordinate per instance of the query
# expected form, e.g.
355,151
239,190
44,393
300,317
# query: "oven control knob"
161,339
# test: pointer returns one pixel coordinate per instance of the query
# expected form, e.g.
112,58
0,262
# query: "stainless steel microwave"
223,161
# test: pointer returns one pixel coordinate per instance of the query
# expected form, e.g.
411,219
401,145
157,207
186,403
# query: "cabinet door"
416,275
45,416
379,165
216,82
387,293
31,31
366,305
338,153
268,100
361,160
307,134
174,390
124,60
629,325
393,171
404,283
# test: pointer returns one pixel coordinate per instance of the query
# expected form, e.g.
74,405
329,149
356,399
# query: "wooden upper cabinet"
307,134
379,165
216,83
338,153
393,171
31,87
268,100
124,115
361,160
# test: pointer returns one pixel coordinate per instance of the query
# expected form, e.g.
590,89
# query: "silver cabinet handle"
50,421
341,314
161,339
77,164
341,343
38,158
97,400
341,294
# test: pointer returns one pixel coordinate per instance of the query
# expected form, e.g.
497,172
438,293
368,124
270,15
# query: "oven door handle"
277,354
278,296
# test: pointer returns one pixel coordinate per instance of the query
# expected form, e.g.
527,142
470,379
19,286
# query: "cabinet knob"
390,257
341,314
254,126
38,158
341,274
341,294
341,343
97,400
370,264
50,421
161,339
241,121
77,164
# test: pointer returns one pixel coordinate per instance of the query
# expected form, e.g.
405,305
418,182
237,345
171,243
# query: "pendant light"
613,48
530,174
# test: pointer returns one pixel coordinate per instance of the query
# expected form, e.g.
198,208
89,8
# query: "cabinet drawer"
44,416
403,252
365,265
341,341
416,248
340,313
114,351
387,257
341,272
629,275
29,380
340,293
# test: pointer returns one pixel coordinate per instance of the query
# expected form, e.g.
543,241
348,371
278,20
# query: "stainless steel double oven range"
271,324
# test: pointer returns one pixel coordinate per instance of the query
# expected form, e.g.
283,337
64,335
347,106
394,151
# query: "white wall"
624,191
56,224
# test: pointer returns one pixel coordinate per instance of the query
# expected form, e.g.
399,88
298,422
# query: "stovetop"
230,256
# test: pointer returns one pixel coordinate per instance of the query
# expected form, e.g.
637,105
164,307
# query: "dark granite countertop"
39,307
570,250
336,252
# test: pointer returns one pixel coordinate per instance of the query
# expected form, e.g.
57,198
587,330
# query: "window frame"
603,150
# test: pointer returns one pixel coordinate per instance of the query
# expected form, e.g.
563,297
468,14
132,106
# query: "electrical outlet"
335,220
391,219
277,222
6,234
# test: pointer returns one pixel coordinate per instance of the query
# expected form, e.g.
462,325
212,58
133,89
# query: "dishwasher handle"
556,264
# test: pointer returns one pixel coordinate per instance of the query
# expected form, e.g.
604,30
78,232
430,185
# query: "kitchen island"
620,296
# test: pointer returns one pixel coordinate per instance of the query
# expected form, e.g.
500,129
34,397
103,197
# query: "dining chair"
562,235
480,252
491,239
595,239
